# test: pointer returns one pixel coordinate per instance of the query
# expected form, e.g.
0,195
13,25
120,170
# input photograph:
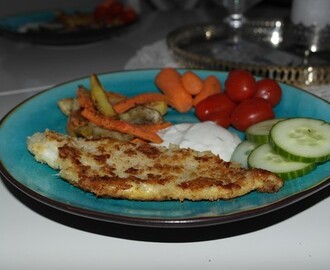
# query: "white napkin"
157,55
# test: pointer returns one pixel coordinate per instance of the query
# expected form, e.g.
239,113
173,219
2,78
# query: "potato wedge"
100,99
160,106
141,115
67,105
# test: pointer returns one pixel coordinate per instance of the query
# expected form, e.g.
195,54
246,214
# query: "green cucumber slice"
264,157
241,153
259,133
301,139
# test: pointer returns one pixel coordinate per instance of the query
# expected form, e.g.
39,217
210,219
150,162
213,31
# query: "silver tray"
271,50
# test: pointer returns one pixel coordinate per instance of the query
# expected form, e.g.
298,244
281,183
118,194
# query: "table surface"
35,236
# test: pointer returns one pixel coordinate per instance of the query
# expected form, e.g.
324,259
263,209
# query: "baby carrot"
168,81
191,82
125,105
211,86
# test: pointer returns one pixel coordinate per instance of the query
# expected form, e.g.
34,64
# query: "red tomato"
270,90
128,16
218,103
100,13
240,85
251,111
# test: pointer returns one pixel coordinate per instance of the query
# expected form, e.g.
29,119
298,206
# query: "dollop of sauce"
203,136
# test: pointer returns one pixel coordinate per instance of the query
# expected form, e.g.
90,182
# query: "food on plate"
205,136
270,90
169,82
100,99
244,101
121,147
156,101
264,156
98,113
142,171
289,147
107,14
259,132
301,139
251,111
240,85
113,12
211,85
242,152
191,82
145,132
217,108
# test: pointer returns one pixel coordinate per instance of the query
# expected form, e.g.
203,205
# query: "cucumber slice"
264,157
301,139
241,153
259,133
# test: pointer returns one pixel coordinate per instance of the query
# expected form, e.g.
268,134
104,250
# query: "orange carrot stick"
121,126
211,86
84,99
138,140
191,82
145,132
168,81
155,127
125,105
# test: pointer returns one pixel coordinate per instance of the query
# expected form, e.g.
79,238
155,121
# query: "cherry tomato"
100,13
240,85
128,16
218,103
251,111
270,90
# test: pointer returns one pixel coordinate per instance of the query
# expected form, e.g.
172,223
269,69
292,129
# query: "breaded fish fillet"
141,171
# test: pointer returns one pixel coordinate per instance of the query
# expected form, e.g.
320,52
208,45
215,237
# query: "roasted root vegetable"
67,105
90,112
100,99
121,126
160,106
145,98
141,115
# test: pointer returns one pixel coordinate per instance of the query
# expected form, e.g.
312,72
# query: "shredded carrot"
125,105
211,86
121,126
168,81
191,82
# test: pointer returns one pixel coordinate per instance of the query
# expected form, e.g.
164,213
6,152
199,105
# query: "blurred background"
19,6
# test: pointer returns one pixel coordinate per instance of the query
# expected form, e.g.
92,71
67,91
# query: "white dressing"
203,136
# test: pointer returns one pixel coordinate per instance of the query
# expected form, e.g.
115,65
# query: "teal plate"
43,184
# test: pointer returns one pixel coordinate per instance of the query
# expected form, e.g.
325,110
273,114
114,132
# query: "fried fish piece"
141,171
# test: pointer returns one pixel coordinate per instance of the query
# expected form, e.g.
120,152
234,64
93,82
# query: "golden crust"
141,171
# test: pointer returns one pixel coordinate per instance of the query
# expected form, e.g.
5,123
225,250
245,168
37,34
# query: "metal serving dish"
270,50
